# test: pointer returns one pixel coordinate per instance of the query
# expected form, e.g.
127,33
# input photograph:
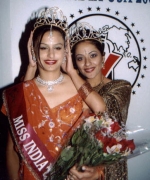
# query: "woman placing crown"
45,111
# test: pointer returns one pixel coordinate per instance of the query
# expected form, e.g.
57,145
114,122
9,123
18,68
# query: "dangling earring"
103,65
33,54
64,60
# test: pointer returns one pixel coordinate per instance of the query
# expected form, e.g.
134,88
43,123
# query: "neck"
49,76
96,80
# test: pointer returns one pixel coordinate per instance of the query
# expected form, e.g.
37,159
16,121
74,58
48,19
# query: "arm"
12,160
32,67
93,100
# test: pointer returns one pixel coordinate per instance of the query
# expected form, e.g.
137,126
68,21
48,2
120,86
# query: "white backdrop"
132,16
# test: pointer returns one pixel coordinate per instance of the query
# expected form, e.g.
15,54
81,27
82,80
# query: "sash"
33,151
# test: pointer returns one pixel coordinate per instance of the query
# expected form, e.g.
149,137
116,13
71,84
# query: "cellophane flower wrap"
100,140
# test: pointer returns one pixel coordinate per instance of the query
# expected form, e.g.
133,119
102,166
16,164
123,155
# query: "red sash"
33,151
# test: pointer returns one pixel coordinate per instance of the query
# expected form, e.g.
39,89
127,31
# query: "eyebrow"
83,54
92,52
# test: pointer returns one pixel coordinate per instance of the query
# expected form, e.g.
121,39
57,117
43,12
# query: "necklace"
50,84
98,87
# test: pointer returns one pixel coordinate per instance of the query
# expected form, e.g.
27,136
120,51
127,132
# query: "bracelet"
85,90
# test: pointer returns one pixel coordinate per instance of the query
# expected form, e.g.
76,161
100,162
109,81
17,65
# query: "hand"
67,66
89,173
29,45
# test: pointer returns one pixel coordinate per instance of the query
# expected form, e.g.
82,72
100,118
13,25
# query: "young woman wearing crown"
88,57
45,111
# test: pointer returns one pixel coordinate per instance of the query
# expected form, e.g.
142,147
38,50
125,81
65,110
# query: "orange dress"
53,126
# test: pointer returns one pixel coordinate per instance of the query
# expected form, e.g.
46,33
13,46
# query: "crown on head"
83,31
52,17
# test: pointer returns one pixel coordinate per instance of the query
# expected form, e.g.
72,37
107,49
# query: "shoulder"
119,83
117,87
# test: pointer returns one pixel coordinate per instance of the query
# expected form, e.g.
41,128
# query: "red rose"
115,127
127,144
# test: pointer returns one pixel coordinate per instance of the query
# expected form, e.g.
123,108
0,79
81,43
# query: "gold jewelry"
85,90
98,87
52,17
84,31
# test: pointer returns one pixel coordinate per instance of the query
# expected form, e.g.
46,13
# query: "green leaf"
67,153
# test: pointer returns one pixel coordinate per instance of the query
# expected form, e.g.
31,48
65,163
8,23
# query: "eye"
43,47
79,58
93,55
58,48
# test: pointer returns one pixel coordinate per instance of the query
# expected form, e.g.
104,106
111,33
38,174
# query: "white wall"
5,44
15,15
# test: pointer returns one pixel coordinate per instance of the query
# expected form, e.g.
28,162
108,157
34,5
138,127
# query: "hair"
97,44
39,33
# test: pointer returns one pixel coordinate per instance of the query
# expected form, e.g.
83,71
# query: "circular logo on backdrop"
124,54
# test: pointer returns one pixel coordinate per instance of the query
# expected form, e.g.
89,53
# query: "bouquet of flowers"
99,140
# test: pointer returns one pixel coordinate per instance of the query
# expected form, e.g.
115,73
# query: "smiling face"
88,59
50,50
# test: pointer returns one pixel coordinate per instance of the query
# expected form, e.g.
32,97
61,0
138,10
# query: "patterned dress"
116,95
53,126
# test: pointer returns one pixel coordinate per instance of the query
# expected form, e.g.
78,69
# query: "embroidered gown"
52,125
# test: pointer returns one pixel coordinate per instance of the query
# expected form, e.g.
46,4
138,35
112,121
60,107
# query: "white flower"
107,123
90,119
114,149
87,125
127,152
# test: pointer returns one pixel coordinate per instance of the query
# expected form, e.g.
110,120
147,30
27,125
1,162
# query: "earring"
64,60
103,65
33,54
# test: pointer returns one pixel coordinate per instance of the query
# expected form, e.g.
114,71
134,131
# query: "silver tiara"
52,17
83,31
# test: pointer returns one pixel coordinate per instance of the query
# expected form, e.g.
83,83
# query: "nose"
87,61
50,53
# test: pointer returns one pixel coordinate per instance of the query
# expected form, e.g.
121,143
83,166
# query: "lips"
89,70
50,62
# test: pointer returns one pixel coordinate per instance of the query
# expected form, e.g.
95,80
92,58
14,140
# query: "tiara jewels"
50,84
52,17
82,31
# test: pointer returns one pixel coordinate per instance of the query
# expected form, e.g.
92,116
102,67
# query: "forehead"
85,46
55,36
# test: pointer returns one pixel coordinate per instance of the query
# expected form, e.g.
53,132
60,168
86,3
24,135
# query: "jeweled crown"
52,16
83,31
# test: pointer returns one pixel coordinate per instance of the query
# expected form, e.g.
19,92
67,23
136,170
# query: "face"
88,59
51,51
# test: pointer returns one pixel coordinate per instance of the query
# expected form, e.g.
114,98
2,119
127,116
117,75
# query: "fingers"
88,169
30,40
32,59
